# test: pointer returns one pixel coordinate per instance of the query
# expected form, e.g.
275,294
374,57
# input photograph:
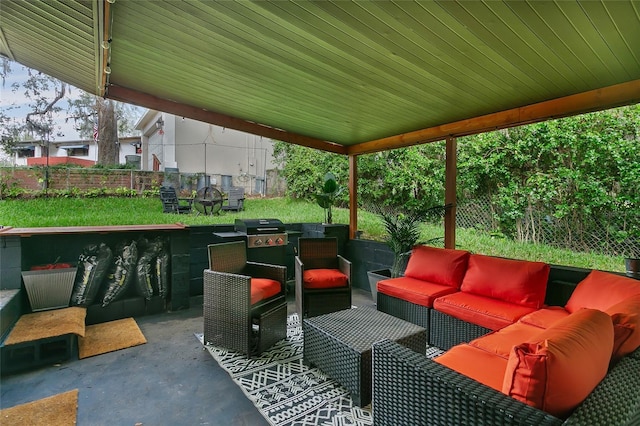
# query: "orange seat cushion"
438,266
482,366
263,288
324,278
568,360
412,290
517,281
545,317
483,311
601,290
626,326
502,341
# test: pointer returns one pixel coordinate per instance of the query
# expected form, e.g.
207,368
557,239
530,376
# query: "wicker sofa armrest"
635,354
265,270
410,389
616,399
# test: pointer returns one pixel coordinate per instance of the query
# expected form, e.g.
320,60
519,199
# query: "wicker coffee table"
339,343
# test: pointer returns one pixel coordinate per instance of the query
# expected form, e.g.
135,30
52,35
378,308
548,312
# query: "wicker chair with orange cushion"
323,277
244,302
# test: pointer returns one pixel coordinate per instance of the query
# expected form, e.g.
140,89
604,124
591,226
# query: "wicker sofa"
572,364
410,389
467,294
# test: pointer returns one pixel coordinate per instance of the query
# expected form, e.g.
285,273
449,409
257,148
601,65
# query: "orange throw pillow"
438,266
324,278
560,367
601,290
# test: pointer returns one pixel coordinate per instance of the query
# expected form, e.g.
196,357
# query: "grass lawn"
138,211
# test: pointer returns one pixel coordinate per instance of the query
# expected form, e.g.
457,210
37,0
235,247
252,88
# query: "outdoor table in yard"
339,343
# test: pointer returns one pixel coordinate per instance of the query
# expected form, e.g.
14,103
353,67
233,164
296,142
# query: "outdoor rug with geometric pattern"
286,391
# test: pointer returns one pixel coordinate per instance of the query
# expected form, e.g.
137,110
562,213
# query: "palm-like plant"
330,190
403,233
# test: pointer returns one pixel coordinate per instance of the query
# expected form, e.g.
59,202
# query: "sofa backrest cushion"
516,281
438,266
626,326
601,290
558,369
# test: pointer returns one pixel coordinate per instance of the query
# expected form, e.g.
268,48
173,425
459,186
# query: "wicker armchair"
323,277
240,310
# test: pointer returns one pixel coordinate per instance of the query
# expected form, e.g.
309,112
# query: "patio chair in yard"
244,302
322,277
171,203
235,199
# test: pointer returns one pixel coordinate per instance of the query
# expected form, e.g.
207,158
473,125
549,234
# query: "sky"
15,104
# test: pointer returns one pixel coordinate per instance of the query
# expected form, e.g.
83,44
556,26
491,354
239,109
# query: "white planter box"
49,288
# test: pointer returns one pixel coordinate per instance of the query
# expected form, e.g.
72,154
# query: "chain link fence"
576,231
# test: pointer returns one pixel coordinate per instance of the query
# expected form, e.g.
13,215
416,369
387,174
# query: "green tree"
43,94
580,172
411,179
85,110
303,168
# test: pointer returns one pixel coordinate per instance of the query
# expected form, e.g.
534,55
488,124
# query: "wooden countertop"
26,232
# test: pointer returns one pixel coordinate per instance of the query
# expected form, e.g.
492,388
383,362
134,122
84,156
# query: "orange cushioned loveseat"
467,294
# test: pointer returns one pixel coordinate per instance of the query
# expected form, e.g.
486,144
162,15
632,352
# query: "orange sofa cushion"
324,278
412,290
263,288
545,317
568,360
601,290
483,311
516,281
438,266
501,342
626,326
485,367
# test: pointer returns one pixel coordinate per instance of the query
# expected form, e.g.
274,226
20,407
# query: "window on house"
76,150
26,151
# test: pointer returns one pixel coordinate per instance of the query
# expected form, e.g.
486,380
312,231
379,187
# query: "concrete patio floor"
170,380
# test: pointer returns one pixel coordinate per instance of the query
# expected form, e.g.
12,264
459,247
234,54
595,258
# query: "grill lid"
259,226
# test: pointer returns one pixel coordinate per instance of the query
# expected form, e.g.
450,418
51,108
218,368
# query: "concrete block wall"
20,253
10,262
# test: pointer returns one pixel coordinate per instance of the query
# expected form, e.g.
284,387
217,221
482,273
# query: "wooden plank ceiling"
349,77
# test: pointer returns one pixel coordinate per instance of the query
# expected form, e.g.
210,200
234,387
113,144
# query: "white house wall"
214,150
155,145
198,148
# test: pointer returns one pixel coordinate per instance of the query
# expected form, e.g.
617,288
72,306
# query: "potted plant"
330,190
632,258
403,233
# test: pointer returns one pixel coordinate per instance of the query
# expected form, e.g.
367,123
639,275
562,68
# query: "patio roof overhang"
345,77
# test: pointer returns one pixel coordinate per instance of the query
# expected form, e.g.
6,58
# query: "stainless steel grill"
267,241
262,233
